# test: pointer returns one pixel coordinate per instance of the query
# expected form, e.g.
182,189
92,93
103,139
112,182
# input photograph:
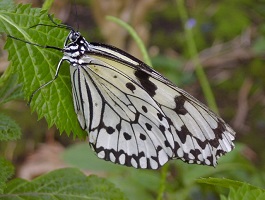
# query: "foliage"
245,192
238,190
36,66
62,184
214,21
8,128
182,180
7,170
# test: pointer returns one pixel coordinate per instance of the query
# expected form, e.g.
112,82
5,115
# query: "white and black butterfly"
135,116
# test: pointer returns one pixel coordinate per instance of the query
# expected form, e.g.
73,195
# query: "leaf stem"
135,36
191,45
47,4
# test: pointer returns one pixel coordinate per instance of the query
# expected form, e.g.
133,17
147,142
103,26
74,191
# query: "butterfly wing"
136,117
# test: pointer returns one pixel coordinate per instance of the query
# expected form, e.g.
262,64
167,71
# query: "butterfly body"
135,116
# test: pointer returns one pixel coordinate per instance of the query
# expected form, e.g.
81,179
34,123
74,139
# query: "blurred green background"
230,40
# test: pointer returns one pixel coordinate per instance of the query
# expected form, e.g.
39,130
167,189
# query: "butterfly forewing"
137,117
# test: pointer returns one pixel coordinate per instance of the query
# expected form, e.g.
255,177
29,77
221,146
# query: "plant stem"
208,94
135,36
162,187
47,4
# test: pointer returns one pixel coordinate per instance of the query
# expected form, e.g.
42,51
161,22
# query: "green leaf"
135,183
246,192
7,170
5,4
36,66
238,190
62,184
10,89
9,130
76,157
226,183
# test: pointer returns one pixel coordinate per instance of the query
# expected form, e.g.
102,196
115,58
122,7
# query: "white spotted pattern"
136,117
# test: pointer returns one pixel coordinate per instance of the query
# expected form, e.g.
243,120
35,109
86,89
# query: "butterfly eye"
73,37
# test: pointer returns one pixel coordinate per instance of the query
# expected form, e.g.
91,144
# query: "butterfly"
133,115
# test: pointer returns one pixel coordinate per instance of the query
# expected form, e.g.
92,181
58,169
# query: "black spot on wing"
148,126
179,109
167,143
219,134
118,127
210,158
148,85
130,86
142,136
183,133
159,148
195,153
127,136
176,148
219,130
160,116
201,143
220,152
162,128
110,130
144,109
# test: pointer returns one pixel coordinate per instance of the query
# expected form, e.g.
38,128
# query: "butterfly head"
75,46
74,36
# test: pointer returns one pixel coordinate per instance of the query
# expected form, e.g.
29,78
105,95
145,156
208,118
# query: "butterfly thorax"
75,47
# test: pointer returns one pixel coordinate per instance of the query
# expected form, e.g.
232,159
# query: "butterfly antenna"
60,25
55,24
77,25
38,45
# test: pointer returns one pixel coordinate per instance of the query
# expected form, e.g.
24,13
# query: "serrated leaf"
238,190
6,4
7,170
245,192
9,130
62,184
10,89
223,182
134,183
36,66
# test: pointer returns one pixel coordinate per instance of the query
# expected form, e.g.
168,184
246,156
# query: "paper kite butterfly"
134,115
